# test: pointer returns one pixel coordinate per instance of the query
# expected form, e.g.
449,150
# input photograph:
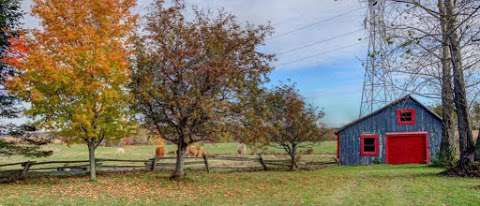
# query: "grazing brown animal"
160,151
309,151
195,151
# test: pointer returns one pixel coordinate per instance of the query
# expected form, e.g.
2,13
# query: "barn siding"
385,122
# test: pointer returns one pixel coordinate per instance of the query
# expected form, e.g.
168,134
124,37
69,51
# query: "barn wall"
385,122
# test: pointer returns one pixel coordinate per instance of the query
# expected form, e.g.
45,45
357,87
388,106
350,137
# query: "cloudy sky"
319,45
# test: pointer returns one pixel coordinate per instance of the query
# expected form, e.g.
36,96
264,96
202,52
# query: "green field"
335,185
144,152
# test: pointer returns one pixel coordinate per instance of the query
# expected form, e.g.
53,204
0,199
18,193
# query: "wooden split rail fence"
21,170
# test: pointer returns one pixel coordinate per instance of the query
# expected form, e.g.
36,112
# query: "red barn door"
407,148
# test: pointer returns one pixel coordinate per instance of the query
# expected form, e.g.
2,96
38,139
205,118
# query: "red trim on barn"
427,149
400,134
406,133
386,148
364,153
399,116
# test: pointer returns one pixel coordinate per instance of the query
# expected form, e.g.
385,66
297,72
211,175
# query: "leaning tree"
190,72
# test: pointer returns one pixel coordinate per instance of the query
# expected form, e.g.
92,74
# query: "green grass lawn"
336,185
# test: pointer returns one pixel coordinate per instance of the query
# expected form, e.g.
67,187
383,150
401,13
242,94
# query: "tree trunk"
91,159
477,148
446,146
467,147
293,156
180,164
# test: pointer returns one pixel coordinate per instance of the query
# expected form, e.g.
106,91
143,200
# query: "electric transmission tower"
377,89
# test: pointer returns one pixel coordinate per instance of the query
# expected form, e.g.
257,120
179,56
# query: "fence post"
260,159
26,166
153,165
205,160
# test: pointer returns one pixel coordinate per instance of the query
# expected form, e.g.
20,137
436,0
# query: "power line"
315,23
318,54
287,20
318,42
280,22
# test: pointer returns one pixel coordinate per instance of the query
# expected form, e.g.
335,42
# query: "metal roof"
385,107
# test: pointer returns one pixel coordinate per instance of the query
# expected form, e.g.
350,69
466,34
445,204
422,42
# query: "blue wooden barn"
402,132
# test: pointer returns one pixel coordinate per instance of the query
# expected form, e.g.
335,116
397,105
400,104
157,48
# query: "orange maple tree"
76,71
16,52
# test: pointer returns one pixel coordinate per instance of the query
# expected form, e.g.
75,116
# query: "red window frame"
364,153
399,116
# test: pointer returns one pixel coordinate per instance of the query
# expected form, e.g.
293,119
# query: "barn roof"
387,106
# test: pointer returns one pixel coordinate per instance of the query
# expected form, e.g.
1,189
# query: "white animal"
120,150
242,149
